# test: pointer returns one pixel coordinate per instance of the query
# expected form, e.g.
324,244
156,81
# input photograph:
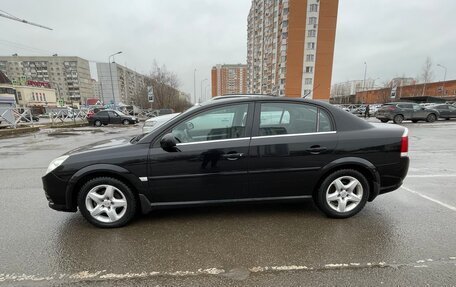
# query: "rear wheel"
107,202
97,123
398,119
342,194
431,118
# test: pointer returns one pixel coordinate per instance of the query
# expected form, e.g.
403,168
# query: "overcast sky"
392,37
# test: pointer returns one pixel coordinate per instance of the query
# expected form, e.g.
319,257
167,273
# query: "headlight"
133,118
56,163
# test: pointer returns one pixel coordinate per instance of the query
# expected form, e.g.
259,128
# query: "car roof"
163,117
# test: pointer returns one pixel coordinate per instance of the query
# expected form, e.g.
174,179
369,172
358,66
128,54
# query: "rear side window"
292,118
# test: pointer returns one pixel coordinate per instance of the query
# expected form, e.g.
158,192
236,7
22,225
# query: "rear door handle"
233,156
316,149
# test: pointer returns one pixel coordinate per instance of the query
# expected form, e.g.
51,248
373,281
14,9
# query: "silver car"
155,122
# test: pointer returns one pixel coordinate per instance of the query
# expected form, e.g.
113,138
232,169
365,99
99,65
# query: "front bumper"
54,189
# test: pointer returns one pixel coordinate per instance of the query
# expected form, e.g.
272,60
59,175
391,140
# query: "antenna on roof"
308,93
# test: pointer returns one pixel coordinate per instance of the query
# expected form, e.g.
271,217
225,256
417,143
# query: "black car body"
236,150
446,111
398,112
106,117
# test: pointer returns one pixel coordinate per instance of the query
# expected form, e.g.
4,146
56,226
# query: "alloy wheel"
106,203
344,194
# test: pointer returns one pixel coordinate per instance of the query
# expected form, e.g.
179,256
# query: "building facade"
290,47
229,80
118,84
444,90
69,76
351,87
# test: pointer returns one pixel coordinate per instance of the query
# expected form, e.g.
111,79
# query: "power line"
12,17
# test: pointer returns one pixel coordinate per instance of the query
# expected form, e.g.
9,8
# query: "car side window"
416,107
216,124
452,108
324,122
286,118
112,114
102,114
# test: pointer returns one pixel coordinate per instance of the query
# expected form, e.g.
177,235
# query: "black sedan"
446,111
245,149
106,117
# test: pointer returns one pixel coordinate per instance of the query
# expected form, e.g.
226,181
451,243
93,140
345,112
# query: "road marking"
450,207
104,275
430,175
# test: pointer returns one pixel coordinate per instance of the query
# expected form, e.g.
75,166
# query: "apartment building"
118,84
229,80
69,76
351,87
290,47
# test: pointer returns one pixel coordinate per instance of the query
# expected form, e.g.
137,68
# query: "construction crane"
12,17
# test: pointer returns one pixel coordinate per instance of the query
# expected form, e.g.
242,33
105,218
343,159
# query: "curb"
17,131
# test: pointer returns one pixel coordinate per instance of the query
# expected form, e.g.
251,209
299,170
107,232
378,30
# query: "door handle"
316,149
232,156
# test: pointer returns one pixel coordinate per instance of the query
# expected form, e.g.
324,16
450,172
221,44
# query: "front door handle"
316,149
233,156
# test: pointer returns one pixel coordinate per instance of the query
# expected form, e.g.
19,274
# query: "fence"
11,117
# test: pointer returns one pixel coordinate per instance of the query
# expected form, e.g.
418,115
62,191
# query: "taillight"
404,143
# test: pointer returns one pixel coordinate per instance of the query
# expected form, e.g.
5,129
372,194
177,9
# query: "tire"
414,121
431,118
126,122
328,190
447,119
398,119
97,123
384,121
97,198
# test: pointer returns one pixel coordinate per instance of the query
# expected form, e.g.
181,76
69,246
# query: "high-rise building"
228,80
290,47
69,76
124,82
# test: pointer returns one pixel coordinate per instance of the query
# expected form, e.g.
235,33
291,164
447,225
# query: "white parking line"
430,175
450,207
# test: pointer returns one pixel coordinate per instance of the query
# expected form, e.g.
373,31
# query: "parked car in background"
155,122
400,111
446,111
26,118
162,112
106,117
231,151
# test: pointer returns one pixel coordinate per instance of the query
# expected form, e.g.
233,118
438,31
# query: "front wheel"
398,119
431,118
384,121
107,202
126,122
342,194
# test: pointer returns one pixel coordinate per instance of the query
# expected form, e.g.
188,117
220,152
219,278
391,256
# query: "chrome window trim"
294,135
214,141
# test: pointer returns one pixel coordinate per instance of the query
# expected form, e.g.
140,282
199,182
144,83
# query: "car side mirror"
169,143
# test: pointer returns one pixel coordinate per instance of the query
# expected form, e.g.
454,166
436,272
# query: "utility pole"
201,95
194,84
110,72
364,81
444,78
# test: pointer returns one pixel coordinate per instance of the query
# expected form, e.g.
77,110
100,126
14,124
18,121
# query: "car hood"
102,145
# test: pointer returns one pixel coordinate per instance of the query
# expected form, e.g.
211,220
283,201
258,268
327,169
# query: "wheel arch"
361,165
101,170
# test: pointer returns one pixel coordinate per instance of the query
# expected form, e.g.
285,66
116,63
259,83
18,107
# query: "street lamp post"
205,92
444,78
110,73
364,81
201,95
194,84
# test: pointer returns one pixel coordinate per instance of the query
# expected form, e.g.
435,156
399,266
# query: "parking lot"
403,238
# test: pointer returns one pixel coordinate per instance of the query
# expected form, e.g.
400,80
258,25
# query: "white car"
155,122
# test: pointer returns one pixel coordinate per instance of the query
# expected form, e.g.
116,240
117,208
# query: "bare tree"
427,75
165,86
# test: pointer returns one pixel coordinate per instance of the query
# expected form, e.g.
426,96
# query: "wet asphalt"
404,238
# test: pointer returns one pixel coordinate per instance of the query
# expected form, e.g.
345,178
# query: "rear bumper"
394,179
54,189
